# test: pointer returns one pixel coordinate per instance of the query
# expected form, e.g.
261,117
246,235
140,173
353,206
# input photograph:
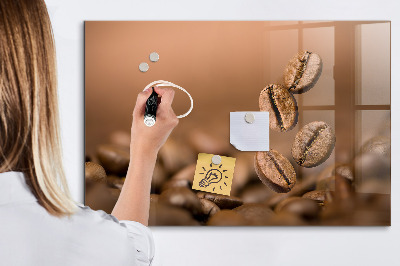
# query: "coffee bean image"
286,219
313,144
114,158
227,218
186,173
302,72
318,196
115,181
168,215
208,207
173,183
275,171
158,179
281,106
255,213
256,193
303,207
174,156
222,201
94,172
181,197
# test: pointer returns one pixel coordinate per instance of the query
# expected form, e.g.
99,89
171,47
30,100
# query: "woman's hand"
134,201
150,139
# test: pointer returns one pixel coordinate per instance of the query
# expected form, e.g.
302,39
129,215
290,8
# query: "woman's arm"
134,201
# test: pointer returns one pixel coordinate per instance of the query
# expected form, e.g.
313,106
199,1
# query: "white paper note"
250,135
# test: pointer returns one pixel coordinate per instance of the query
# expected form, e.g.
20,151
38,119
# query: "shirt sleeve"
142,239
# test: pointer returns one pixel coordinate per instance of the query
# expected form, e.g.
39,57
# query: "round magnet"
216,159
154,57
249,118
143,67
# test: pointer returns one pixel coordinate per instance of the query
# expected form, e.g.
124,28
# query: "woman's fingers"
167,96
141,102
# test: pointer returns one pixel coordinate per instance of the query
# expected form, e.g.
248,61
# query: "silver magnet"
143,67
216,159
154,57
249,118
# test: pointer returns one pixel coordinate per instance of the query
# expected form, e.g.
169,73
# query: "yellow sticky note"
214,173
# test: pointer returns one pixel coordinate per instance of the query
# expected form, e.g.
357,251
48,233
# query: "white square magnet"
249,131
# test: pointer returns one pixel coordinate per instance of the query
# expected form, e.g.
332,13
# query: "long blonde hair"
29,123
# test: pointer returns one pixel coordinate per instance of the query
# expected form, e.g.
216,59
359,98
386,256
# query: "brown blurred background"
225,65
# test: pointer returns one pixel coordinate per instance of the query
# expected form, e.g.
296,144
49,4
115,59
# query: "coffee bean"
281,106
94,172
158,179
174,183
286,219
313,144
174,156
303,207
168,215
255,213
115,181
120,138
208,208
114,159
222,201
306,185
186,173
275,171
181,197
227,218
318,196
302,72
345,171
256,193
205,142
101,197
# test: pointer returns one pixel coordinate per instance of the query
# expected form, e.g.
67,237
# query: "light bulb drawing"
214,175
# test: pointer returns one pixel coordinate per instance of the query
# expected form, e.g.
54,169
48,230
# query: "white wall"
230,246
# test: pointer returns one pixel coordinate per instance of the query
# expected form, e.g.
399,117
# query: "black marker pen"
151,109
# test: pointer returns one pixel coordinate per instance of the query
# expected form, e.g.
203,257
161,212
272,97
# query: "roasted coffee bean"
256,193
255,213
379,145
158,179
304,186
275,171
115,159
204,142
174,183
227,218
168,215
343,189
101,197
286,219
94,172
281,106
181,197
174,156
120,138
115,181
222,201
313,144
186,173
318,196
345,171
208,208
303,207
302,72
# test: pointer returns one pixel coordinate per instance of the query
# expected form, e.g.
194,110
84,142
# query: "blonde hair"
29,126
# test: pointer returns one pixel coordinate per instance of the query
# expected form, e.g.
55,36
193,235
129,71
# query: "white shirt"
29,235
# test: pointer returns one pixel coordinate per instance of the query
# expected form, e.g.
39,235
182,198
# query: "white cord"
164,83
